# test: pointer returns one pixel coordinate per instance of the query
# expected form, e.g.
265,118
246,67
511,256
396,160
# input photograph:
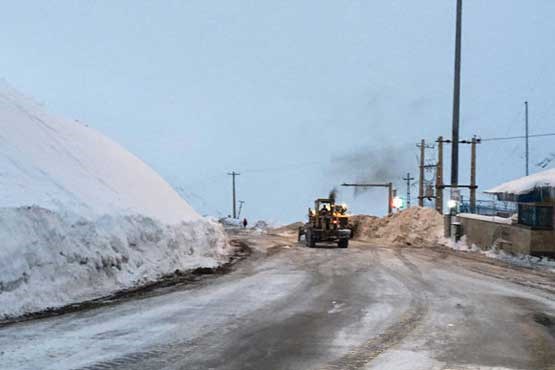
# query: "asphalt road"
291,307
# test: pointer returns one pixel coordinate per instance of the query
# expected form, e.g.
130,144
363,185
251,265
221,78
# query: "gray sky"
298,96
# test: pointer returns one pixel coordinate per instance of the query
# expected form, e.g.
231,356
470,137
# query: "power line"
517,137
286,167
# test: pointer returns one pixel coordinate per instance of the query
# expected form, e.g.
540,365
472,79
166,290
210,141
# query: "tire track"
394,334
362,355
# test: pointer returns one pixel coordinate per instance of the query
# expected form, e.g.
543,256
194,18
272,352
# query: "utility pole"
472,187
423,167
421,179
473,175
526,138
439,175
241,202
408,179
233,174
456,99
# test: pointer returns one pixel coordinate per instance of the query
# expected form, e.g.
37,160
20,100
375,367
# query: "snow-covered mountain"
80,217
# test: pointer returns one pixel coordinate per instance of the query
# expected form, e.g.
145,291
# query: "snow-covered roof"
527,184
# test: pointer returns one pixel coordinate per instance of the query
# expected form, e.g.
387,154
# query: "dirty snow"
526,184
414,226
494,252
80,217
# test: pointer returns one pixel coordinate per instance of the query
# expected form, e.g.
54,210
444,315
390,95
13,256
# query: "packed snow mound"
526,184
46,261
81,218
70,168
414,227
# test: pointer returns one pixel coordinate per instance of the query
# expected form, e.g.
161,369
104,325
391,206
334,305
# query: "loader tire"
309,239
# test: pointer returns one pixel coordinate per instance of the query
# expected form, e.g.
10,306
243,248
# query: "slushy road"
292,307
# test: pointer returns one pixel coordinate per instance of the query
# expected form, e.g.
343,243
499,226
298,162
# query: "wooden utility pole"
408,179
473,175
233,174
421,179
387,185
439,175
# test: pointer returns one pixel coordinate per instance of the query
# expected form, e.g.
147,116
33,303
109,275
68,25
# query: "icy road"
365,307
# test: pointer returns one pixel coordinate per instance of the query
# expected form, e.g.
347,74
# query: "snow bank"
414,226
46,261
523,260
526,184
81,218
494,252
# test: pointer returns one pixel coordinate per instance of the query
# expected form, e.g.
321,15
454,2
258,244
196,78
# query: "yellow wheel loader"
327,222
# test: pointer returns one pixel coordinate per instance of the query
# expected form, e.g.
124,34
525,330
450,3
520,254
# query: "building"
530,230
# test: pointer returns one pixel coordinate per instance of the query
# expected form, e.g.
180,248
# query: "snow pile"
260,227
47,261
460,245
527,184
288,230
523,260
231,223
494,252
68,167
81,218
415,226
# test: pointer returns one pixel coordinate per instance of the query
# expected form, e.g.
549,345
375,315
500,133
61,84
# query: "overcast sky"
298,96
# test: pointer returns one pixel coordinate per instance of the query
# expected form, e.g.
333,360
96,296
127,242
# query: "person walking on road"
245,223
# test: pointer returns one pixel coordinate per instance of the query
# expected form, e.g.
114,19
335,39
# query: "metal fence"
490,208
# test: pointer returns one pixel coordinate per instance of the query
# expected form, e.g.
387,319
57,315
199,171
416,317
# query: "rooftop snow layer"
70,168
527,184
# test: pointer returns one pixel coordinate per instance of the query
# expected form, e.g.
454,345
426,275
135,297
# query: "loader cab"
323,210
324,206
